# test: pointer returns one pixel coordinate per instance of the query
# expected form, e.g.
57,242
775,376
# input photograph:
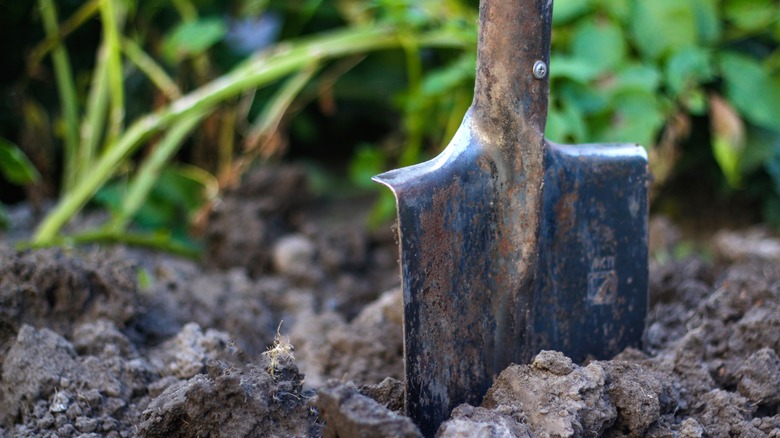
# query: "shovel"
509,243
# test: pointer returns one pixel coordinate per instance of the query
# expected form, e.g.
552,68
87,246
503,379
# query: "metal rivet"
540,70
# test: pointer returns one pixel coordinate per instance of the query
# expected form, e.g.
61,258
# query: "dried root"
280,353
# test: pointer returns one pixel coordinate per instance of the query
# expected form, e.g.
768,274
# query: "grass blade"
151,69
67,91
149,172
95,118
110,16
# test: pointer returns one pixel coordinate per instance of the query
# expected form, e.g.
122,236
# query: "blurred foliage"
16,168
162,104
202,66
649,72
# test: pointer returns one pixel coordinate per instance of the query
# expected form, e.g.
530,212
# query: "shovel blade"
467,315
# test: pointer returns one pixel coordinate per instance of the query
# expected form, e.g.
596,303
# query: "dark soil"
120,342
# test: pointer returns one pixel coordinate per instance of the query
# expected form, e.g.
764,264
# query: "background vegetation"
150,109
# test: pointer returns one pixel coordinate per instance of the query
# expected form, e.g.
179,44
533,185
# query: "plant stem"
156,241
258,71
266,123
269,118
84,13
109,14
151,69
413,119
226,140
94,120
186,9
149,172
67,91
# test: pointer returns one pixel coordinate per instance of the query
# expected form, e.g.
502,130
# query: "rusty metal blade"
508,243
467,317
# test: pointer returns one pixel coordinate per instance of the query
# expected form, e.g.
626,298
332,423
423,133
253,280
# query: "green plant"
652,62
16,168
106,147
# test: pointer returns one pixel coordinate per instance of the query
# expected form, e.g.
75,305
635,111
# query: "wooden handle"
509,100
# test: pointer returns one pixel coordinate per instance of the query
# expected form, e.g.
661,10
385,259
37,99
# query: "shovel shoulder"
625,152
437,171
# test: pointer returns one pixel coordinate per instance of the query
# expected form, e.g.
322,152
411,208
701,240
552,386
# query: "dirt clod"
53,289
759,377
37,364
249,218
230,401
388,392
365,351
347,413
50,390
573,404
293,256
469,421
554,362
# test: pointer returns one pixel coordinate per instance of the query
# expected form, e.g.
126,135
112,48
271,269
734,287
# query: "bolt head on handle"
540,70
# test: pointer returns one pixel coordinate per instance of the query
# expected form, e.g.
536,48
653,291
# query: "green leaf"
454,75
708,21
728,139
174,197
575,121
555,129
566,125
193,38
777,29
663,26
637,118
15,166
638,77
567,10
728,157
618,9
600,43
695,101
367,162
753,90
750,15
585,97
578,70
762,148
178,186
688,68
110,196
772,166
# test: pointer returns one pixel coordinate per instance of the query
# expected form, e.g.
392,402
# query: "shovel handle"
513,58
